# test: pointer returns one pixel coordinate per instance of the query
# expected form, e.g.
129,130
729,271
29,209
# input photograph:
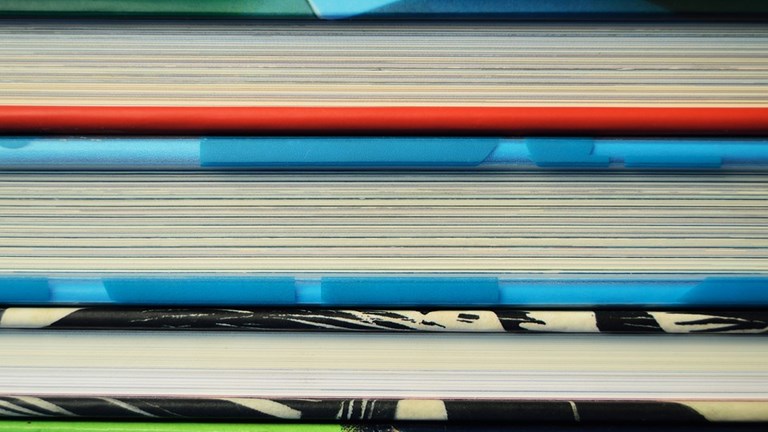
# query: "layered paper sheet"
383,377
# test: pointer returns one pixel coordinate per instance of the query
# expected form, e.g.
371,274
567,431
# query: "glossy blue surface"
282,152
273,153
383,291
340,9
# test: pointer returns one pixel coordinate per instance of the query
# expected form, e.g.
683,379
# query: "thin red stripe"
433,120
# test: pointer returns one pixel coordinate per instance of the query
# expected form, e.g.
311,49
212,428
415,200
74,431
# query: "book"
358,289
382,377
136,426
114,426
503,78
521,239
373,320
391,9
381,153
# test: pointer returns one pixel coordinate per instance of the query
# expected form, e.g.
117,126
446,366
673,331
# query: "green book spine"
207,8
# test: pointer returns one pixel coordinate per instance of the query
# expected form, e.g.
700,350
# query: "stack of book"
412,213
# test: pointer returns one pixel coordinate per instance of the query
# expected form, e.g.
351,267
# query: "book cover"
372,320
389,9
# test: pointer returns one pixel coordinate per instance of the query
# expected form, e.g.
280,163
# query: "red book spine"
384,120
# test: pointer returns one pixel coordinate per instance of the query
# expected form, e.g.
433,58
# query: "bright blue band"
409,291
342,9
202,291
61,153
344,152
385,291
580,153
55,153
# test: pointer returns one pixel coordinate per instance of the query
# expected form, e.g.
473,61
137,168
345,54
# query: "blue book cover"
334,153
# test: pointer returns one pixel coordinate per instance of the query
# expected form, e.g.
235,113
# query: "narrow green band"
249,8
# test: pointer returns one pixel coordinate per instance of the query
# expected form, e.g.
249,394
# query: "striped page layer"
383,377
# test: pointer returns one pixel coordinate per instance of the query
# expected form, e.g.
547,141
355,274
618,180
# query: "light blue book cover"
334,153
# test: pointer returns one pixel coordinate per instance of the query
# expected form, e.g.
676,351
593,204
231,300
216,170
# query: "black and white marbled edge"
381,410
503,320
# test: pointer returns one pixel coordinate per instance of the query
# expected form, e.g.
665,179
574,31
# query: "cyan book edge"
390,291
281,153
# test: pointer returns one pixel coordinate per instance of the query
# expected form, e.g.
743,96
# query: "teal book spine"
187,8
390,9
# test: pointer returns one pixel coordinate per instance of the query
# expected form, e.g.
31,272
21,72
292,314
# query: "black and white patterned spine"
384,410
505,320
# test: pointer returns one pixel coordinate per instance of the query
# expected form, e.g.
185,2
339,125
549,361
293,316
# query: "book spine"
360,320
290,9
385,410
596,121
171,426
387,9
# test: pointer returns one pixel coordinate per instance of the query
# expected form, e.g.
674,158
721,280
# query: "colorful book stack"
414,215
